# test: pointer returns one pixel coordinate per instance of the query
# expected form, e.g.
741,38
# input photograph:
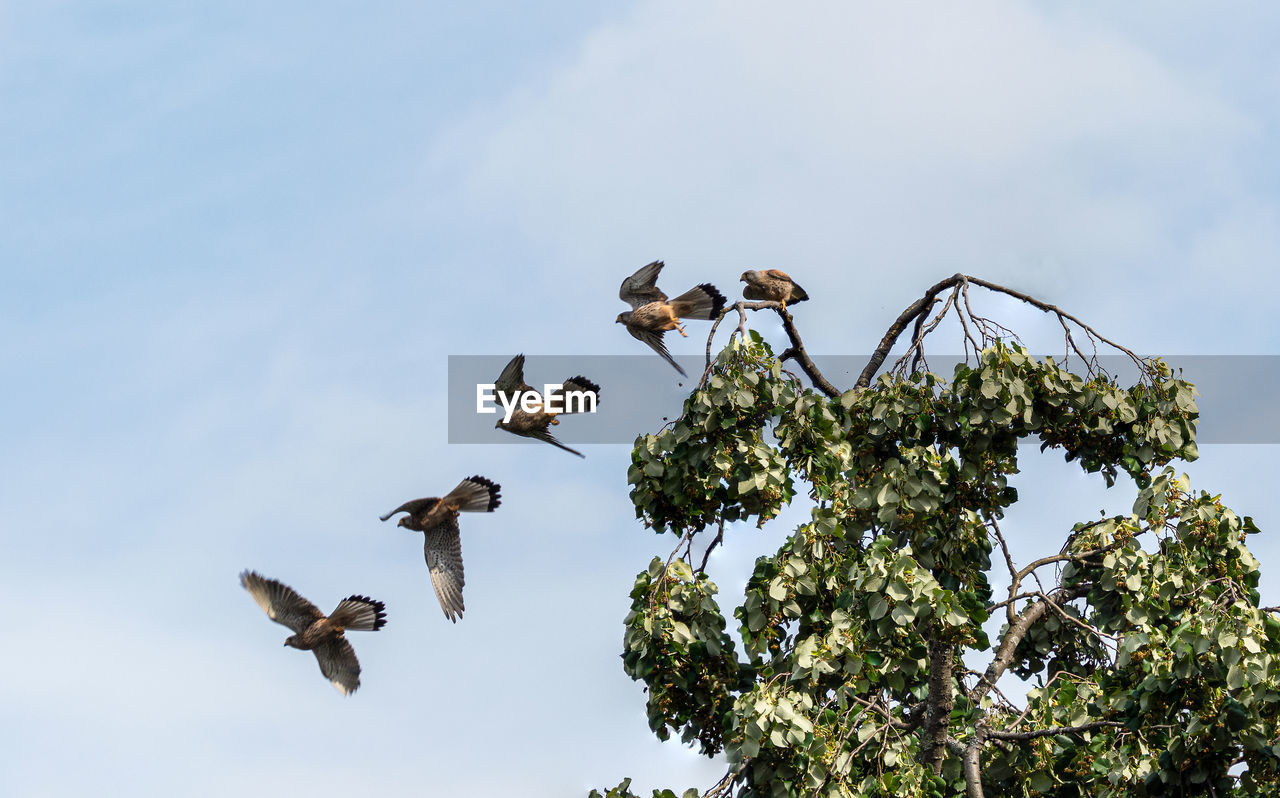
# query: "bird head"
624,318
750,276
403,522
294,641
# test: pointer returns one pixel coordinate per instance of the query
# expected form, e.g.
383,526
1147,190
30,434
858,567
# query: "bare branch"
1013,572
719,538
1053,730
1013,636
919,310
795,352
723,787
920,306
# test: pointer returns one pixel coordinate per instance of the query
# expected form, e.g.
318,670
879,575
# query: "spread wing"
654,340
543,435
511,382
339,665
443,549
412,507
280,602
641,288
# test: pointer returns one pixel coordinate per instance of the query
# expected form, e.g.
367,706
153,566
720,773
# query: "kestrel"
570,398
772,284
652,314
314,632
438,520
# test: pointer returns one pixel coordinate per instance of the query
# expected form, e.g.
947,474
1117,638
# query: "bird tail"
700,302
359,613
476,495
797,294
579,404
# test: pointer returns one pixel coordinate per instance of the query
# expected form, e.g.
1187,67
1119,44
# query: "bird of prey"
652,313
570,398
774,285
313,631
437,519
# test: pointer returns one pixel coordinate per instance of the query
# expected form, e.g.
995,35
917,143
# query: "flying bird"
570,398
774,285
652,314
312,631
438,520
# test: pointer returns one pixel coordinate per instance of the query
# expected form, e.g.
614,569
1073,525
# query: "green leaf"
877,607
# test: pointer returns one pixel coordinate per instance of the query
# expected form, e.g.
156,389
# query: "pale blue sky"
237,246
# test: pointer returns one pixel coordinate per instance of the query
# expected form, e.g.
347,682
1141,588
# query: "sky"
239,244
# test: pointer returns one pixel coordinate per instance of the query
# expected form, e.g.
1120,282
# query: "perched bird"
772,284
313,632
438,520
571,398
652,314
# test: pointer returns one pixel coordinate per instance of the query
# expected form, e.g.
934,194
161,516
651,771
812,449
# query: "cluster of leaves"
676,643
623,790
714,462
1156,670
1190,680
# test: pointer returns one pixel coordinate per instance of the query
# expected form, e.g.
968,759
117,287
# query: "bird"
571,398
437,519
313,631
774,285
652,314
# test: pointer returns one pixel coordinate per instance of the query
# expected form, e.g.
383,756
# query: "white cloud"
841,141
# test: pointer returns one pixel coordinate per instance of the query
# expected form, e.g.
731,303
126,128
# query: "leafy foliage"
1153,669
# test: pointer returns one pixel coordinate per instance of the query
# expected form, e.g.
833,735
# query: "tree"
1135,660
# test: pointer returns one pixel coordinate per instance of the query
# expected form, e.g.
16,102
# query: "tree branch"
1031,735
920,309
1014,635
969,759
937,719
795,352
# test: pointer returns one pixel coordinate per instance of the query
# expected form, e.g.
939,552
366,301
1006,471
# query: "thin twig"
719,538
1033,734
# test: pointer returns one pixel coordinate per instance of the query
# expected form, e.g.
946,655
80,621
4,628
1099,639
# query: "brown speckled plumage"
512,386
652,314
437,519
314,631
773,285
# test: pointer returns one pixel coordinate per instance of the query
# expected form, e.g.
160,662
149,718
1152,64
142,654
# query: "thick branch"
969,759
1031,735
918,308
937,719
1013,636
795,352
